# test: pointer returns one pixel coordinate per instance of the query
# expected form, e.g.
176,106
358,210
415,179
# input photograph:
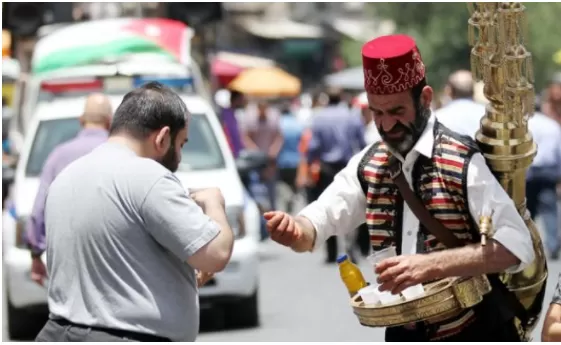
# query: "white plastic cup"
369,295
387,297
381,255
413,292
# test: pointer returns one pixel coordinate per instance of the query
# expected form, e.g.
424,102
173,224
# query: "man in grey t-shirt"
123,236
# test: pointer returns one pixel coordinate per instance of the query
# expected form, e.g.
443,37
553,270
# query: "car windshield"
200,153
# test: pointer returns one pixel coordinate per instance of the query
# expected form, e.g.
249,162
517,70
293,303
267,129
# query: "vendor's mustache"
398,127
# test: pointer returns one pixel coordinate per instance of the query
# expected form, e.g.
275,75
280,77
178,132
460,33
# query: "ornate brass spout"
500,59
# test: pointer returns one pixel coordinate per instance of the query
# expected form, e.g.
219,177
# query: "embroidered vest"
440,182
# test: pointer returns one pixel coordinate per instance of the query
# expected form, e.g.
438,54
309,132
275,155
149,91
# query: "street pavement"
302,299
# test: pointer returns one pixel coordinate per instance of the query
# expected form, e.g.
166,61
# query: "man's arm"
510,249
35,232
551,330
341,208
202,240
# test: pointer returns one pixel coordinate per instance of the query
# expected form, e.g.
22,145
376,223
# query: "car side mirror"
8,175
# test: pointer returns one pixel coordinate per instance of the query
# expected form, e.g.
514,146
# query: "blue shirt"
292,129
337,134
547,136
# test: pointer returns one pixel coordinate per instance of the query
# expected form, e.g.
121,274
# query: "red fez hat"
392,64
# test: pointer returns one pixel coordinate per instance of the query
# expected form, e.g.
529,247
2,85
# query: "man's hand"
203,278
38,270
400,272
282,228
208,196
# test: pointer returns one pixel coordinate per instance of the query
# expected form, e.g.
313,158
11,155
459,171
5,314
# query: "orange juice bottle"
351,275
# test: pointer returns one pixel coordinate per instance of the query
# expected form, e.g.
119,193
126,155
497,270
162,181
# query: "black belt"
142,337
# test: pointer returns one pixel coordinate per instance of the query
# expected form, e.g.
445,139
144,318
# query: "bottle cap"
342,258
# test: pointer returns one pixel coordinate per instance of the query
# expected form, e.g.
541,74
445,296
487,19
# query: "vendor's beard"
411,132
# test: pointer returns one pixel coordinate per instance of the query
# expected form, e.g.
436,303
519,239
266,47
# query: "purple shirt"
230,124
60,158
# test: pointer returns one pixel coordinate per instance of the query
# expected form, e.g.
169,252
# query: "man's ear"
162,140
426,96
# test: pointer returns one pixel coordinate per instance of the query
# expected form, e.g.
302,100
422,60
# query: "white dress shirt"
342,206
462,116
371,134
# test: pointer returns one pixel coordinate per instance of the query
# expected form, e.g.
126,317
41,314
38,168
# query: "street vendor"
447,172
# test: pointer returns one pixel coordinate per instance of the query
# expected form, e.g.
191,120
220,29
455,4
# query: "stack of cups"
385,297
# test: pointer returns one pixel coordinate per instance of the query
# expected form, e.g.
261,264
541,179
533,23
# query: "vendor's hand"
203,278
282,228
397,273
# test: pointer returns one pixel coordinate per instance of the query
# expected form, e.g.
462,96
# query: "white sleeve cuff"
318,226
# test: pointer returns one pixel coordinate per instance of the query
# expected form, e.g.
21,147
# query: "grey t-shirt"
119,231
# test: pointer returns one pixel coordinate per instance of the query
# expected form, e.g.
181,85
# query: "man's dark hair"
416,92
334,96
235,96
148,109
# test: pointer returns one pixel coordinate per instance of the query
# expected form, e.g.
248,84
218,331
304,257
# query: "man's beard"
410,133
169,160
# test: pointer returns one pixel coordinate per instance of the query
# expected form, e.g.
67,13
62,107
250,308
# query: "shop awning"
349,79
280,29
266,82
226,66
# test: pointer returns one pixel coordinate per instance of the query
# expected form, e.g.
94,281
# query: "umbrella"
266,82
349,79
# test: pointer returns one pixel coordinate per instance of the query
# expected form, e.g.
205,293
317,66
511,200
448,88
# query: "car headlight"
21,228
236,220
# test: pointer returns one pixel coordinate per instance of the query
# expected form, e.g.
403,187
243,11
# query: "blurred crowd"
310,138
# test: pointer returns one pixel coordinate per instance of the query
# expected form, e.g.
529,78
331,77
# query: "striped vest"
440,182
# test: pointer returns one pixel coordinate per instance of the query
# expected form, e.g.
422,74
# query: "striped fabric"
439,181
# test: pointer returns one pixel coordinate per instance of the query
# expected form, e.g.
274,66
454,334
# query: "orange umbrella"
266,82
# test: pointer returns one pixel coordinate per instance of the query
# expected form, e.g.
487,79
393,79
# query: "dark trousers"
478,331
326,176
63,331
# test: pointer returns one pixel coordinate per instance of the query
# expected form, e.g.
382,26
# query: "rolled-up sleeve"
175,220
486,194
341,208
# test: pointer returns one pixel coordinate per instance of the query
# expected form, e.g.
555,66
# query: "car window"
50,134
201,152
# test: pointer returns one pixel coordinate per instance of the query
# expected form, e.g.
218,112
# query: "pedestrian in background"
289,156
462,114
261,131
336,136
543,176
125,238
95,122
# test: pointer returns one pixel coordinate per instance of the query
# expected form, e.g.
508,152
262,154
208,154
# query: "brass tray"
442,300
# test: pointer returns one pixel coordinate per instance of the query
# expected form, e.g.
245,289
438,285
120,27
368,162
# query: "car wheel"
244,312
18,322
